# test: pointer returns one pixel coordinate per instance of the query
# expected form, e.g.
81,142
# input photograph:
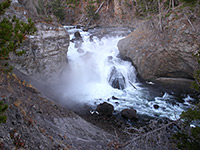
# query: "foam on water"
90,72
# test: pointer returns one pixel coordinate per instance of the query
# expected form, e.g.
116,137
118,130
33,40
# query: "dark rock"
105,109
129,114
155,106
117,103
113,97
78,26
77,35
116,79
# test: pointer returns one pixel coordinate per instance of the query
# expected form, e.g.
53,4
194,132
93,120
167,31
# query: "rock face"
45,52
163,54
105,109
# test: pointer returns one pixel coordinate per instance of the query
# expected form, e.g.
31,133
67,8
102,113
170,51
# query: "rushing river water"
98,74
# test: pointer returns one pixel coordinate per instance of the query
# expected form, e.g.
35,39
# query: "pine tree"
12,34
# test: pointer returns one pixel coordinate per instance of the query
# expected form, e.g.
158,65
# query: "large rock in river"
117,79
163,54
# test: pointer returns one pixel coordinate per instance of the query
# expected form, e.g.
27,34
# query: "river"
98,74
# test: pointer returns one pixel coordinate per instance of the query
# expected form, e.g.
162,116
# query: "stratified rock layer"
46,52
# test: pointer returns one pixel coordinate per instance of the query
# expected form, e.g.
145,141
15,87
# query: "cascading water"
98,75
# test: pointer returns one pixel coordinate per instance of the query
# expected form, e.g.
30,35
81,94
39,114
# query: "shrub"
3,108
12,34
5,4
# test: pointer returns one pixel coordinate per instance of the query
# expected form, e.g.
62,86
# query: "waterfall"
98,74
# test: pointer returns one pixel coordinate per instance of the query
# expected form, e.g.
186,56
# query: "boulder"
113,97
155,106
105,109
129,114
77,35
117,80
162,54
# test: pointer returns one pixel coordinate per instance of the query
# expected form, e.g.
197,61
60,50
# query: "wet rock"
117,80
129,114
105,109
78,26
77,35
155,106
117,103
113,97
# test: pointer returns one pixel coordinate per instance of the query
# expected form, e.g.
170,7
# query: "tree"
12,34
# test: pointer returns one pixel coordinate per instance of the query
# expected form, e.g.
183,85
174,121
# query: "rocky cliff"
166,53
46,51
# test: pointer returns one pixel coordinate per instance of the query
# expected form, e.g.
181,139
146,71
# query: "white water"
91,64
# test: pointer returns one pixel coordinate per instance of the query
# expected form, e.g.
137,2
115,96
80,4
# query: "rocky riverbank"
36,122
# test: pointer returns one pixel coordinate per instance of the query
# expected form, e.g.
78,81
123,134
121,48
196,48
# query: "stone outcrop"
117,79
45,52
163,54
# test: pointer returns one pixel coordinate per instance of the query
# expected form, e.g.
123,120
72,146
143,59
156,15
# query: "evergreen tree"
12,34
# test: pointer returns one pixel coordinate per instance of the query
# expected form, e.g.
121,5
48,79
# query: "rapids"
98,74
